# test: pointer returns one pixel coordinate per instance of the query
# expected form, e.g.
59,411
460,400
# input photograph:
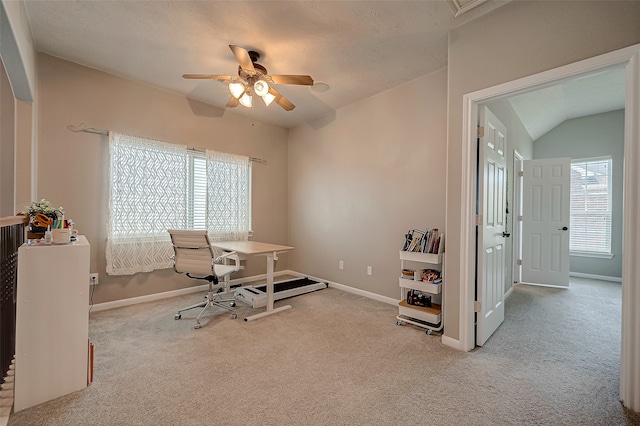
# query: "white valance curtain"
151,190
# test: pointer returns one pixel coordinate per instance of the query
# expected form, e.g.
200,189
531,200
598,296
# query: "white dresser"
52,322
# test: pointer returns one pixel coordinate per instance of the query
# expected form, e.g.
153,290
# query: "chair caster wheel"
232,304
234,316
197,326
399,322
177,316
429,332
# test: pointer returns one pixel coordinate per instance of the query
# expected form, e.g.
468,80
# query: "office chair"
194,257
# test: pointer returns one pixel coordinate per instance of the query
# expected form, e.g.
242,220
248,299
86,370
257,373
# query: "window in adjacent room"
155,186
591,206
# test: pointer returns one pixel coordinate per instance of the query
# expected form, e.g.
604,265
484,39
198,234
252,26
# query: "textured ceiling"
359,48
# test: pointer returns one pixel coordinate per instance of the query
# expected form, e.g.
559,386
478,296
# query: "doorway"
630,59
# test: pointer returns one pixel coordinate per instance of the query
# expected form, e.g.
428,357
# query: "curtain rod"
84,128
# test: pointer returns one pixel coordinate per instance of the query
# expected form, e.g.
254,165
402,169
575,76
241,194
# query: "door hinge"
477,306
478,220
519,262
521,173
520,218
480,132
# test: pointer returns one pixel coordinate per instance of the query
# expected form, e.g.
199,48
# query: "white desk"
261,249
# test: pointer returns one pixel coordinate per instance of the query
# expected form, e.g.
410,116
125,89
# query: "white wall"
517,40
17,49
593,136
359,180
7,146
20,61
73,166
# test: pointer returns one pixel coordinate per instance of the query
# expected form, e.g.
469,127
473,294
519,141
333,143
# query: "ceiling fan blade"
281,100
243,58
233,102
207,76
292,79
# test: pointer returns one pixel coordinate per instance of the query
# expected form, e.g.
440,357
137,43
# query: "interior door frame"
516,223
629,58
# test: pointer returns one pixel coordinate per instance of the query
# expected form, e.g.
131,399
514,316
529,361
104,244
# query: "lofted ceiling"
543,109
354,48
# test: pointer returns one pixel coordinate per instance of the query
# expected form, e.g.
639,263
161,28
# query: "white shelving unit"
430,318
52,322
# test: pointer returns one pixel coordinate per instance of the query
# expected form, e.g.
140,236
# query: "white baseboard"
595,277
452,343
544,285
364,293
508,292
201,288
173,293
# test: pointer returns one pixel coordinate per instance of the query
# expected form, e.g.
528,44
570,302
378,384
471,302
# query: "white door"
545,221
492,183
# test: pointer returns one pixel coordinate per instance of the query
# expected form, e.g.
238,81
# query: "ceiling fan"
253,78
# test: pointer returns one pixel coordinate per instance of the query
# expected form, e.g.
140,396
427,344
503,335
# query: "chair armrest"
232,255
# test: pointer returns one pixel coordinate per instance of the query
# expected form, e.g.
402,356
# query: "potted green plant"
40,213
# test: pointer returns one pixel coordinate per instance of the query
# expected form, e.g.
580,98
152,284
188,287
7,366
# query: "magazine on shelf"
429,241
413,240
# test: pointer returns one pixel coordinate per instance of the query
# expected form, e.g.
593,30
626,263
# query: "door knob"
564,228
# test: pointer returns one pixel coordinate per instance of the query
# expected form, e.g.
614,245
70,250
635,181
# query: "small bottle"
47,235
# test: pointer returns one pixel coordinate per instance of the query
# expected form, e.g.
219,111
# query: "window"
155,186
591,206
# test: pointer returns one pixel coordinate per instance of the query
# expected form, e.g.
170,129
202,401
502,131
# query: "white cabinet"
52,322
428,317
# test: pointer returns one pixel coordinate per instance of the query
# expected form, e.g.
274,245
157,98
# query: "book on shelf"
418,298
413,240
433,237
415,243
430,241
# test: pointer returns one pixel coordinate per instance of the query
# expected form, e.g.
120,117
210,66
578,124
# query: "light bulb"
236,88
261,87
268,98
246,100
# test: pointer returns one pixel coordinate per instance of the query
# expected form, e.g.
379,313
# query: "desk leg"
271,258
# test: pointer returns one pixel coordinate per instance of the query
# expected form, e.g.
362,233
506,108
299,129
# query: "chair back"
193,252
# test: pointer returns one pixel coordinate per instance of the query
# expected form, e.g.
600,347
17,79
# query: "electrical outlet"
93,279
341,264
369,270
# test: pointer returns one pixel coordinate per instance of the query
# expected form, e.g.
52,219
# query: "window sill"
592,255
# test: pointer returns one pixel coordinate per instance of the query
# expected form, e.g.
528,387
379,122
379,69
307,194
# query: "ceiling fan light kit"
246,100
268,98
252,75
261,87
237,89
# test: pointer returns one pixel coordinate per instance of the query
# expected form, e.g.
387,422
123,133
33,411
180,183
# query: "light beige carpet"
340,359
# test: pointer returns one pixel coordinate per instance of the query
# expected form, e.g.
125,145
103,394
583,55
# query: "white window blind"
591,206
197,210
155,186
